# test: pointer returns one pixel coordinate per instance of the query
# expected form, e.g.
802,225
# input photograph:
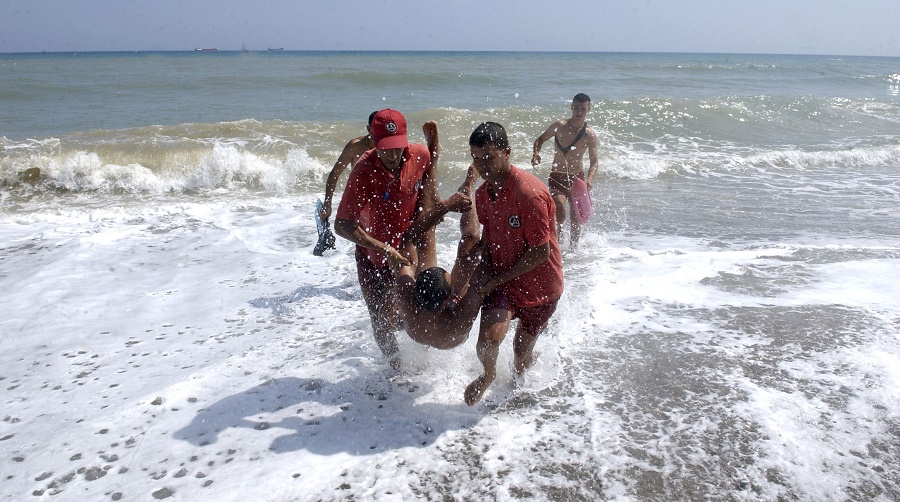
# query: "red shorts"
562,182
375,277
531,319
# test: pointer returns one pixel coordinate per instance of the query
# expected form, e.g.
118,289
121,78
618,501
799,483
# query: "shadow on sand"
278,303
361,415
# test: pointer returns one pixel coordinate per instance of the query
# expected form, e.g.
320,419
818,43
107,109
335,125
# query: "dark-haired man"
573,137
352,151
519,241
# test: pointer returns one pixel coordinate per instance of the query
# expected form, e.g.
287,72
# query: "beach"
729,330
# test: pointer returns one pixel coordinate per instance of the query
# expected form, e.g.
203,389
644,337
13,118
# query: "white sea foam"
729,329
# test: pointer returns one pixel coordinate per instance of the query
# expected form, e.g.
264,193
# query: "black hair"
489,133
372,116
581,98
432,288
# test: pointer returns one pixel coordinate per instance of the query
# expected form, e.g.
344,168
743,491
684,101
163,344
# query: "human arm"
592,142
429,180
539,142
531,258
349,155
350,230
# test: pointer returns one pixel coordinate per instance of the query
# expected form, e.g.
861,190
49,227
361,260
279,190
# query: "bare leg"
523,347
561,202
494,325
467,254
574,226
382,303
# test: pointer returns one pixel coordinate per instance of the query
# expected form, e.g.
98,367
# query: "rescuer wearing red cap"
387,187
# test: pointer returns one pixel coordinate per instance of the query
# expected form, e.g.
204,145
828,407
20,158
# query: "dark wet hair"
432,288
489,133
372,116
581,98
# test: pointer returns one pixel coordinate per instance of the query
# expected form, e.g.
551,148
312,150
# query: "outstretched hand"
458,203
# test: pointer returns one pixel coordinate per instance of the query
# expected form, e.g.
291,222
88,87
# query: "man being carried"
438,309
519,243
573,137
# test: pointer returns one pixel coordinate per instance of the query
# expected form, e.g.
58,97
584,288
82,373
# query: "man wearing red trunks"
573,137
519,241
385,188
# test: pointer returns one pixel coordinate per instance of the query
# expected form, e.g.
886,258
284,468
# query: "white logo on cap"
391,127
514,221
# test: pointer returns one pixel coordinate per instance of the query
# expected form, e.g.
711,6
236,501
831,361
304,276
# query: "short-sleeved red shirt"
523,213
381,204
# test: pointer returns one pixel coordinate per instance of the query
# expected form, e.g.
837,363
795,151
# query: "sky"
833,27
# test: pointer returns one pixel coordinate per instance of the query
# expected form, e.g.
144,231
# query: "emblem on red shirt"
514,221
391,127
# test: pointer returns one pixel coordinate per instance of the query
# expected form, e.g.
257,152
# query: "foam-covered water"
729,330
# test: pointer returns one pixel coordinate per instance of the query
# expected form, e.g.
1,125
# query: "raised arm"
352,151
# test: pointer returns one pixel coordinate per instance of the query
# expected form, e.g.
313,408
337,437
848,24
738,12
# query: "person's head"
432,288
490,150
369,123
581,105
388,131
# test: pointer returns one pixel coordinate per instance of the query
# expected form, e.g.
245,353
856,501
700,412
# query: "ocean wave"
159,159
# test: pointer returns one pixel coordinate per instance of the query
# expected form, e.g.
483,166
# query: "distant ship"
276,49
206,50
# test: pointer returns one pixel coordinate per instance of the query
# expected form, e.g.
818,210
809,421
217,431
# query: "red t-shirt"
523,213
380,204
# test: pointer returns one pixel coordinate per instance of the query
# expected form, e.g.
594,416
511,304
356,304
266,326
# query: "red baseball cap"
389,130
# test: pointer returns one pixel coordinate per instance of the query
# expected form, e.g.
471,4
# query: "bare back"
443,329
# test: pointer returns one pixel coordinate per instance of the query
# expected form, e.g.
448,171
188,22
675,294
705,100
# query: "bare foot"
475,390
523,364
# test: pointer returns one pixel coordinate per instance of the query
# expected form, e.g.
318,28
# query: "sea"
729,331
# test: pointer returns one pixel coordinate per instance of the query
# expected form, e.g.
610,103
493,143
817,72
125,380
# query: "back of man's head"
432,288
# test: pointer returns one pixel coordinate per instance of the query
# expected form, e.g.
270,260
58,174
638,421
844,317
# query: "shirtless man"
352,151
573,137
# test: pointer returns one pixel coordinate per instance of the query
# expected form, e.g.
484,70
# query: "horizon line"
281,50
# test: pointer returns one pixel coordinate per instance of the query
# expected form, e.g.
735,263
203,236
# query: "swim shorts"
562,182
531,319
376,277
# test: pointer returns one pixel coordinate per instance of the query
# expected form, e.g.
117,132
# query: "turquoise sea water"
730,328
